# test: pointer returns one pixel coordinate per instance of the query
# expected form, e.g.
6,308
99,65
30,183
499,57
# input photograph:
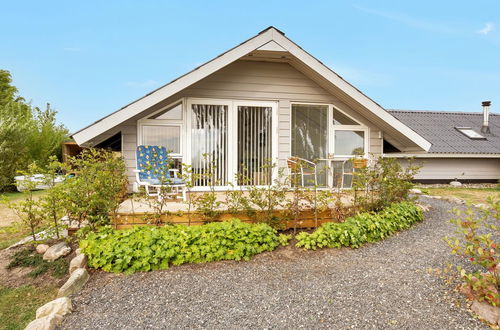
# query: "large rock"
424,207
455,184
49,322
60,306
487,312
415,191
56,251
80,261
454,199
74,283
42,248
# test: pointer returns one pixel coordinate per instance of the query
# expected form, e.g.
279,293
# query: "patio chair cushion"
153,163
166,182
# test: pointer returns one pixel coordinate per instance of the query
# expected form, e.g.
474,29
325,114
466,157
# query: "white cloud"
142,84
71,49
488,27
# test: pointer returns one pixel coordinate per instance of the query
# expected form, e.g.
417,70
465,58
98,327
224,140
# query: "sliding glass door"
254,145
209,144
231,142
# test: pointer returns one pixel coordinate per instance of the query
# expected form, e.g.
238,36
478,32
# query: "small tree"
51,203
207,203
29,209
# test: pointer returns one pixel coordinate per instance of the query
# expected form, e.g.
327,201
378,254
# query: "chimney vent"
486,117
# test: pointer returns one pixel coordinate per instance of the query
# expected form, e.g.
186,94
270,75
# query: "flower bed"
151,248
363,228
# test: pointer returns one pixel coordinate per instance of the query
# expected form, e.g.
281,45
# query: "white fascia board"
440,155
170,89
350,90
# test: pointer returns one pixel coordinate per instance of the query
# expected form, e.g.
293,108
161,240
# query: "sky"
90,58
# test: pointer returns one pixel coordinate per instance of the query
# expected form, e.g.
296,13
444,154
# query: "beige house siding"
253,80
458,168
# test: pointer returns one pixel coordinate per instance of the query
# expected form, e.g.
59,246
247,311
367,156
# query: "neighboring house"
461,148
264,99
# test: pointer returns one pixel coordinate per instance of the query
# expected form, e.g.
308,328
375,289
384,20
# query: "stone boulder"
424,207
415,191
487,312
455,184
49,322
56,251
78,251
80,261
75,282
454,199
60,306
42,248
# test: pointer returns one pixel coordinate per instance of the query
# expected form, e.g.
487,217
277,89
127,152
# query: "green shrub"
97,189
477,241
363,228
148,248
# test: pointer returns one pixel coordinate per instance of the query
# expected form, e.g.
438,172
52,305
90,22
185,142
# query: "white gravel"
383,285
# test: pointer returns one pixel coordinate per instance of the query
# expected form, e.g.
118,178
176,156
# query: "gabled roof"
270,39
439,128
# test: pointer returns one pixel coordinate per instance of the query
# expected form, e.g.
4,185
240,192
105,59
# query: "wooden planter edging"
305,219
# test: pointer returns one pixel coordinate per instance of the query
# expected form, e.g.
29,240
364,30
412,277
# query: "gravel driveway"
383,285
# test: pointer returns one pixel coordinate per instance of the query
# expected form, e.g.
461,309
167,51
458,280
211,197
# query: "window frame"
465,130
181,123
331,128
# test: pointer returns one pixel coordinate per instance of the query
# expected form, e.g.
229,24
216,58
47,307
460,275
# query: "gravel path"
383,285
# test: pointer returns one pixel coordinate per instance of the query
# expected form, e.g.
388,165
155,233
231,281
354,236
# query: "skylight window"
470,133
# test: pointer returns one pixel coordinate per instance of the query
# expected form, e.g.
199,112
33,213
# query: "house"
465,145
266,98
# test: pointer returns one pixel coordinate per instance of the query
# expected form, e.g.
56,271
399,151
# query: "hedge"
363,228
146,248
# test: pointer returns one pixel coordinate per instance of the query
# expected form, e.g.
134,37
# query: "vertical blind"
254,145
209,144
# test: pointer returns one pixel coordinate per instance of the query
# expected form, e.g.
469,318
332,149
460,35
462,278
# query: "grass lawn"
470,195
10,229
26,300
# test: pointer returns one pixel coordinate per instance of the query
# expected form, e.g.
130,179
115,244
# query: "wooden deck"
134,212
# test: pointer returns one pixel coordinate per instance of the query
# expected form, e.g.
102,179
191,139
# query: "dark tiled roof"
439,129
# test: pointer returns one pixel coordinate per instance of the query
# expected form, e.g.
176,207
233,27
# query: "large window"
328,137
309,131
349,142
310,137
164,128
168,136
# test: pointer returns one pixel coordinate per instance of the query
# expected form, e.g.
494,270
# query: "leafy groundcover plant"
363,228
148,248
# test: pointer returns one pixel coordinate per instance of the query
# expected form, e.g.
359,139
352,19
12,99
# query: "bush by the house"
363,228
477,242
97,189
151,248
382,183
